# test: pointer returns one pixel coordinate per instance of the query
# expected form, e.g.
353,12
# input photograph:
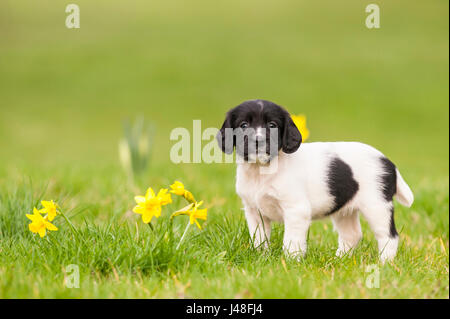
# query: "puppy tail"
404,194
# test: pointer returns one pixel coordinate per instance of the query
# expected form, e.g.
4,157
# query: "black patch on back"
341,184
392,230
388,179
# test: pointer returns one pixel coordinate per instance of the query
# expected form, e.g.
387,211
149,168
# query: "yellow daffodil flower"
164,197
150,204
194,213
189,197
178,189
300,122
50,208
39,224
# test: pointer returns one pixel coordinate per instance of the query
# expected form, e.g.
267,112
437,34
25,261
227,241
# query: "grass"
65,93
122,257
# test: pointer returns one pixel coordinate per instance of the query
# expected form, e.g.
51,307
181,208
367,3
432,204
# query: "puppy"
317,180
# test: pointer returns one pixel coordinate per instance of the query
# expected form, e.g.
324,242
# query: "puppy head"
258,129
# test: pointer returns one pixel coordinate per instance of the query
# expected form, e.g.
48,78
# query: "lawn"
64,95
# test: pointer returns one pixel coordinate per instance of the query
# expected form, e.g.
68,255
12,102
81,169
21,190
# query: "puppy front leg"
259,227
296,224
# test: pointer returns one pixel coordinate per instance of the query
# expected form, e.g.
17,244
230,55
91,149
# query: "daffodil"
164,197
39,224
177,188
300,122
194,213
50,208
150,204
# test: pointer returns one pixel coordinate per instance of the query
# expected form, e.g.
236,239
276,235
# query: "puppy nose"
259,136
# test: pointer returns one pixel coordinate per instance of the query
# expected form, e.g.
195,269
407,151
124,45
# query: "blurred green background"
64,92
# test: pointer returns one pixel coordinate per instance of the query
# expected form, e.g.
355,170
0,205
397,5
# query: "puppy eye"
272,125
244,125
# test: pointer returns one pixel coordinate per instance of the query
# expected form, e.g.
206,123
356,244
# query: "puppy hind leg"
381,220
348,228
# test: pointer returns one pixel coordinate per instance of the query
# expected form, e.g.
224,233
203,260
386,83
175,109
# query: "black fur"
259,113
392,230
388,179
388,182
291,136
341,184
226,143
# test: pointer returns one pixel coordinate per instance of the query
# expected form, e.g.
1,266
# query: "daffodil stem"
184,234
151,227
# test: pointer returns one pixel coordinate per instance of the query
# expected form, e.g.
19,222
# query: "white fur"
297,193
404,194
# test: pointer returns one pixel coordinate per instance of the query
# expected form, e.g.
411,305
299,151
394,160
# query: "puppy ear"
292,138
225,136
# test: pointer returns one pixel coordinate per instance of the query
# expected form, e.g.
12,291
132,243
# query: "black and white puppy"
316,180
